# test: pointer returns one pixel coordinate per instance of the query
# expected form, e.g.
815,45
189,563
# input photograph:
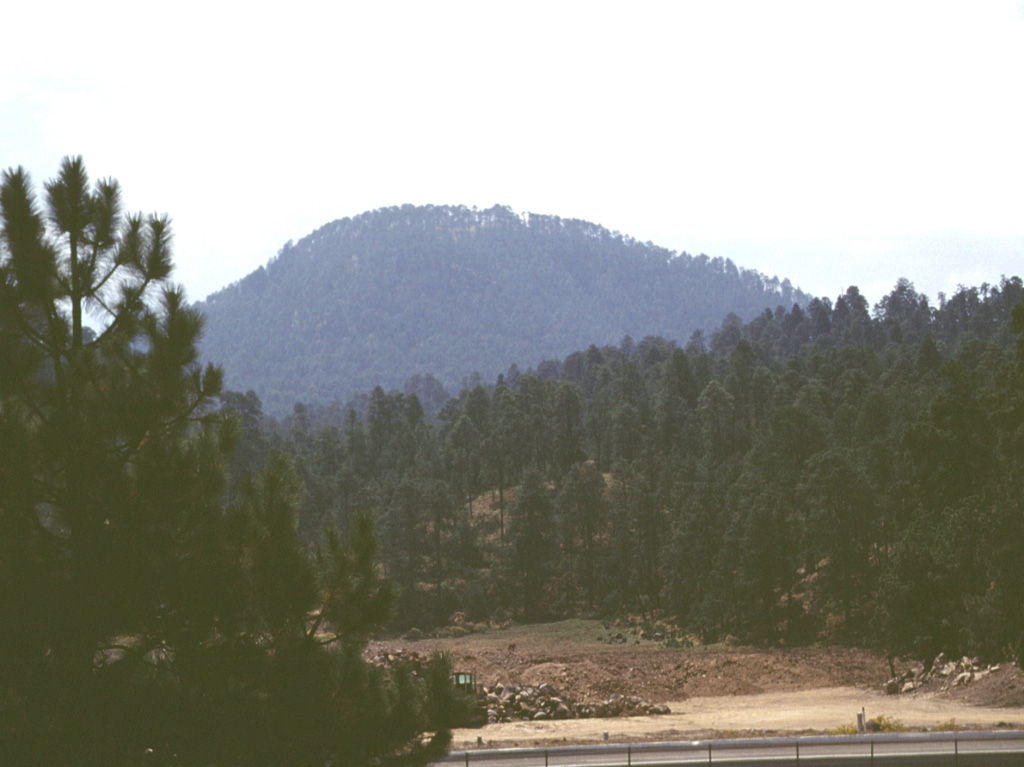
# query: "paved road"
914,750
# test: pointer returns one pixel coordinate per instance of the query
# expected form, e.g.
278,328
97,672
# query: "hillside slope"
447,291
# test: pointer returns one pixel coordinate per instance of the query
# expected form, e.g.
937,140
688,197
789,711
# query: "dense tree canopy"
142,618
184,580
444,291
829,472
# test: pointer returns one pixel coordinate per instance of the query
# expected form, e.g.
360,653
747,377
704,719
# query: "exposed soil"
1002,686
767,714
713,689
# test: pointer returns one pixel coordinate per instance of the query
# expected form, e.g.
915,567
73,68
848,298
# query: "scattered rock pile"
948,673
391,659
508,702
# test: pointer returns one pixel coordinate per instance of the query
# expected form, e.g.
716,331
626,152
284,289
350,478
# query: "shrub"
883,723
844,729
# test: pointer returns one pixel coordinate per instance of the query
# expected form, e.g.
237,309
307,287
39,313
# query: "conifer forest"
186,579
831,471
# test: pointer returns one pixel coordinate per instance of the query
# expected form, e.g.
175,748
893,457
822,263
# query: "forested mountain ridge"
447,291
828,473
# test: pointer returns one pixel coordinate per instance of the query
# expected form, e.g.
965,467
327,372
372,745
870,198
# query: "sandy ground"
738,715
713,691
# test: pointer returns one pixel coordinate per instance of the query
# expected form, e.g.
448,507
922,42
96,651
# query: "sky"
833,143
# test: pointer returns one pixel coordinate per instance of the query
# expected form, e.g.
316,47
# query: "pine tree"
533,542
140,618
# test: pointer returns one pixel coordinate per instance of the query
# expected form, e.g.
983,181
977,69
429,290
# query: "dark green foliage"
533,544
810,475
639,528
582,514
823,471
400,292
841,518
155,609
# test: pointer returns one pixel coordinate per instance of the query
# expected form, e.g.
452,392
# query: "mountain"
449,291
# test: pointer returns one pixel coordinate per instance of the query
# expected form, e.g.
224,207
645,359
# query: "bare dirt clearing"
807,711
710,690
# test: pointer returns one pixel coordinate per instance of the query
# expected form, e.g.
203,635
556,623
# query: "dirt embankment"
582,659
711,690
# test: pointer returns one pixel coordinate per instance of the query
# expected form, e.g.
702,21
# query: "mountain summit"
449,291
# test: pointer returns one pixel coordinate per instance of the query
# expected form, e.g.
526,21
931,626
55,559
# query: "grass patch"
574,630
883,723
843,729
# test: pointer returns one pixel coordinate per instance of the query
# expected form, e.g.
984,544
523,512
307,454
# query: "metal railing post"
709,752
798,753
872,752
956,752
467,759
629,755
545,757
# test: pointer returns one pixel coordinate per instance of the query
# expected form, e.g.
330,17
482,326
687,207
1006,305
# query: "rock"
660,710
908,687
892,687
506,702
964,679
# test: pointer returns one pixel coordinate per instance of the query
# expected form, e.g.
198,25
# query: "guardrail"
935,748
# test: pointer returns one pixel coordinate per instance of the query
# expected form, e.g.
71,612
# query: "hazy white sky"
834,143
